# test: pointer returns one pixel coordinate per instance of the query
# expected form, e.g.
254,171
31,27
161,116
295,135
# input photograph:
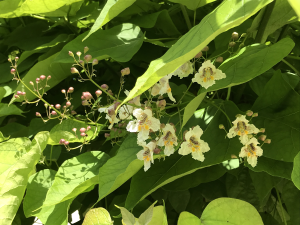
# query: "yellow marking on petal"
193,149
204,79
239,133
165,142
169,90
171,142
212,77
146,127
246,132
249,154
140,127
147,158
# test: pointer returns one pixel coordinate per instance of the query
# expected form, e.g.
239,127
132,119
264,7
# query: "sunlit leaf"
296,6
97,216
193,4
296,171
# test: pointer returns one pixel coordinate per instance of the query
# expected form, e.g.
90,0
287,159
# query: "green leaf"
227,15
120,43
179,200
193,4
97,216
192,107
5,72
111,9
159,216
290,196
14,178
146,216
186,218
230,211
2,138
177,166
6,110
296,171
38,185
75,176
64,131
127,217
121,167
279,113
296,6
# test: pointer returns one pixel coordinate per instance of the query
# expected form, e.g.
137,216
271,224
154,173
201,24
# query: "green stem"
51,155
195,12
209,102
228,94
186,16
293,57
173,106
283,216
291,66
185,92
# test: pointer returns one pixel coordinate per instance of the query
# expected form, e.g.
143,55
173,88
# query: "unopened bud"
87,58
68,104
16,58
205,49
49,77
268,141
82,134
53,113
104,86
262,137
98,93
85,49
116,104
162,125
19,92
74,130
249,113
63,91
106,135
71,54
78,54
73,112
81,62
37,114
62,141
199,55
13,71
70,90
23,93
67,143
82,130
221,126
37,80
241,45
156,150
84,102
16,96
95,62
219,59
88,128
87,95
255,115
110,92
9,60
111,112
232,44
235,36
74,70
125,71
42,77
262,130
161,104
30,82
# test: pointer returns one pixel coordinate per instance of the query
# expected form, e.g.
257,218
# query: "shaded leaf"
179,200
290,196
193,4
6,110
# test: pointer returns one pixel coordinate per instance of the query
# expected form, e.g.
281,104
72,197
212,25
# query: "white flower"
207,74
194,144
184,70
163,87
147,154
143,123
251,151
168,139
126,110
242,128
110,114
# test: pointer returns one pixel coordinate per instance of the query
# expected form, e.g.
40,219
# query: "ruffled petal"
169,150
155,124
252,160
184,149
198,155
132,126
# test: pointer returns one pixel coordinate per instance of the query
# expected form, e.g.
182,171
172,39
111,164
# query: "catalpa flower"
127,110
251,151
110,114
168,139
207,74
163,87
242,128
143,124
184,70
194,144
147,154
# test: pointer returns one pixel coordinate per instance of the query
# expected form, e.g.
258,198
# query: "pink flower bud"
95,61
116,105
125,71
78,54
104,86
68,104
82,130
110,92
249,113
71,54
64,107
13,71
57,106
111,112
106,135
162,125
54,113
23,93
231,44
219,59
42,77
83,134
262,137
161,104
63,91
52,106
67,143
30,82
16,58
262,130
74,130
70,90
16,96
19,92
221,126
87,95
98,93
87,58
88,128
199,55
268,141
156,150
62,141
255,114
205,49
49,77
37,114
73,112
37,80
74,70
84,102
81,62
85,49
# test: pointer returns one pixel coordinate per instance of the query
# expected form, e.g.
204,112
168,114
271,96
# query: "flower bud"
221,126
82,134
13,71
88,128
106,135
156,150
67,143
53,113
268,141
205,49
232,44
37,114
84,102
81,62
219,59
95,62
63,91
62,141
104,86
49,77
116,104
241,45
111,112
235,36
98,93
70,90
262,137
249,113
87,58
162,125
42,77
82,130
87,95
30,82
125,71
71,54
78,54
19,92
110,92
64,107
161,104
73,112
16,96
9,60
37,80
74,130
23,93
199,55
85,49
262,130
16,58
68,104
74,70
255,115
